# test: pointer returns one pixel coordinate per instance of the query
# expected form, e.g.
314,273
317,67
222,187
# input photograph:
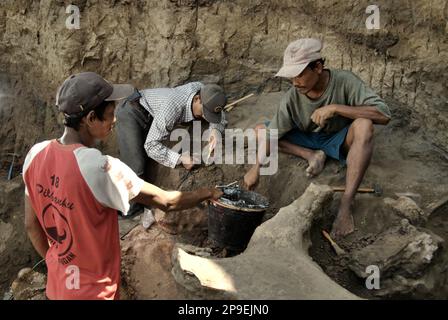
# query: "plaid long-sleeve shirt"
169,107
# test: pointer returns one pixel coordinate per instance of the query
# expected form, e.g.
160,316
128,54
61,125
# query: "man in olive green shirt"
325,113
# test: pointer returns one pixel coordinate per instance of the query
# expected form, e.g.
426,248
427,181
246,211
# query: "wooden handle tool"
230,106
339,251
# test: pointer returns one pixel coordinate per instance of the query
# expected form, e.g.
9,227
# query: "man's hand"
322,114
153,196
216,194
188,162
251,178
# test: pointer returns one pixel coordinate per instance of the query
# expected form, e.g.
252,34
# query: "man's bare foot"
343,224
316,164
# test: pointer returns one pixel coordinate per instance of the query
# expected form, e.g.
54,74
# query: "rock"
11,191
197,251
402,254
29,285
399,285
405,227
16,250
181,221
407,208
8,296
146,265
23,273
6,232
438,207
275,265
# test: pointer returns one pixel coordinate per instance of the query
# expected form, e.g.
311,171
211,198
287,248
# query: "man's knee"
259,134
259,127
363,129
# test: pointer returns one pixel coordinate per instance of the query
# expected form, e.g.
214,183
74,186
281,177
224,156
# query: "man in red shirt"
73,192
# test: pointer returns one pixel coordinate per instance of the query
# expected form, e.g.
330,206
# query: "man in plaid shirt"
147,117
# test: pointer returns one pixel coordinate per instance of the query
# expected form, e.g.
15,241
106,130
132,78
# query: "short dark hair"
75,121
313,64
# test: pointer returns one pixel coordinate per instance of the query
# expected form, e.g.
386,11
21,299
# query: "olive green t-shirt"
344,88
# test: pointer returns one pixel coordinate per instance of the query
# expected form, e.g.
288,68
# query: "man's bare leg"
359,143
315,158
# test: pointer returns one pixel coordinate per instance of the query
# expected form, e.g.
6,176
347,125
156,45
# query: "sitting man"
147,117
327,112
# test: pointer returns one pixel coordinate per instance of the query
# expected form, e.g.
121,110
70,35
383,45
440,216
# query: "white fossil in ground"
275,265
402,254
407,208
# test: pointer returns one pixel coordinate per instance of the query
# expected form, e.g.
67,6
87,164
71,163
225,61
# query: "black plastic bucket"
232,227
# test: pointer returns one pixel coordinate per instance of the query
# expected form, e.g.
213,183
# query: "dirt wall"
236,43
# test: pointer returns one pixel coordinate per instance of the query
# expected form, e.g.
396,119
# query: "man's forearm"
184,200
39,240
367,112
153,196
162,154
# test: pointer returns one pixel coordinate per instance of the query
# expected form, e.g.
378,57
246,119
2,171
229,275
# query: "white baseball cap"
298,55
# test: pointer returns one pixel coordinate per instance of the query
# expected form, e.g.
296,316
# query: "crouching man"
147,118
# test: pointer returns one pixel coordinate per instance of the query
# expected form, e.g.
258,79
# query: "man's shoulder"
40,146
90,158
195,85
88,152
94,164
34,151
341,75
91,155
